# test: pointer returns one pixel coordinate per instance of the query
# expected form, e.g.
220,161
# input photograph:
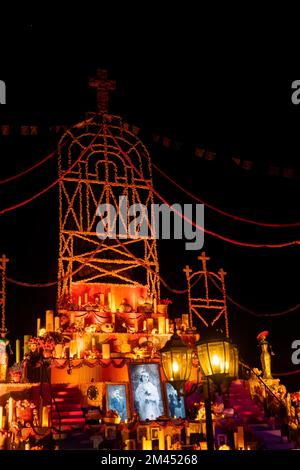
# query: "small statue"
266,353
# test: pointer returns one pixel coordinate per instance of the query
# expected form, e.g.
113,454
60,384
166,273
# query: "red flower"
262,335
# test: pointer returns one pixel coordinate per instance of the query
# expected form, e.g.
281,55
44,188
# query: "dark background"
170,83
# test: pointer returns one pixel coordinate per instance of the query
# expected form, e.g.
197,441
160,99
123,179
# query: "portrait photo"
175,405
110,432
143,431
116,399
146,390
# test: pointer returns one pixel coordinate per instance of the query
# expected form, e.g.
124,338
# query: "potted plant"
162,306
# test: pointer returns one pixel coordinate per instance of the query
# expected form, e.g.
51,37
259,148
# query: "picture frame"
116,399
110,432
143,431
222,439
154,433
176,407
146,388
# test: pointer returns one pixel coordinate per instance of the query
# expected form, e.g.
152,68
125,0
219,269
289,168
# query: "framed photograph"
143,431
116,399
176,407
221,440
146,390
110,432
154,434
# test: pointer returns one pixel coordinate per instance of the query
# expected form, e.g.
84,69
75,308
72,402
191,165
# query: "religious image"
116,399
146,387
175,404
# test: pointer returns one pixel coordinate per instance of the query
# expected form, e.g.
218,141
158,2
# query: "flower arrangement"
24,409
15,372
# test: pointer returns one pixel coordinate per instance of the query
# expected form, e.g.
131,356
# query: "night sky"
167,86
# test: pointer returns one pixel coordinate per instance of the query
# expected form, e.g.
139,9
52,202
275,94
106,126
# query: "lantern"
176,358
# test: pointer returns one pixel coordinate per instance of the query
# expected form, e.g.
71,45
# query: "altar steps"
66,412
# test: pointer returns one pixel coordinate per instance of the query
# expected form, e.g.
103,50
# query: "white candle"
73,347
167,326
168,442
49,320
93,342
144,325
149,324
1,417
161,439
38,326
45,417
26,345
101,299
10,410
155,305
58,350
18,353
56,323
86,298
79,301
105,351
113,302
109,299
161,325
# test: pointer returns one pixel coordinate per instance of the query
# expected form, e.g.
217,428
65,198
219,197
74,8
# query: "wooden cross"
222,273
103,86
4,260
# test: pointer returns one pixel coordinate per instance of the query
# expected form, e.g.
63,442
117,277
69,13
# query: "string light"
220,211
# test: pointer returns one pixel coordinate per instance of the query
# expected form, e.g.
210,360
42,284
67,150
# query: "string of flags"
206,154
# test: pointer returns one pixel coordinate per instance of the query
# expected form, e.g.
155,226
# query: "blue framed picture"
116,399
175,405
146,390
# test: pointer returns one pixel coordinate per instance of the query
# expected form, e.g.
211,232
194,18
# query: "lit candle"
144,325
56,323
27,446
1,417
113,318
185,319
18,351
167,326
79,346
109,299
38,326
73,347
26,345
101,299
105,351
149,324
169,442
155,305
134,302
10,410
58,350
79,301
146,444
161,325
93,342
86,298
49,320
45,417
161,439
72,318
113,302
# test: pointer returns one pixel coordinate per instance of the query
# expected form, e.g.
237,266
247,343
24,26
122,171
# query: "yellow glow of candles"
38,326
113,302
10,410
105,351
167,326
56,323
144,325
155,305
45,417
161,439
86,299
26,346
1,417
146,444
18,353
58,350
161,325
73,347
49,320
79,301
149,324
109,300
